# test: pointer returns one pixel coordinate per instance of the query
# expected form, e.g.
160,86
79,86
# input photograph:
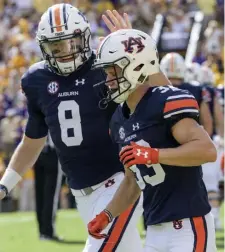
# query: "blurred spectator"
199,57
180,23
214,38
8,132
208,9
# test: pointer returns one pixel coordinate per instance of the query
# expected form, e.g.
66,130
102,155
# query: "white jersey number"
156,179
73,123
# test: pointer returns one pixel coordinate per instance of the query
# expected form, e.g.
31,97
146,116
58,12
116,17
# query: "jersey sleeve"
179,105
36,126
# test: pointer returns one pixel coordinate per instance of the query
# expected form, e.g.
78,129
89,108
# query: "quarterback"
61,99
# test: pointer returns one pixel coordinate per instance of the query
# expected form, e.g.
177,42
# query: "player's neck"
176,82
136,96
158,79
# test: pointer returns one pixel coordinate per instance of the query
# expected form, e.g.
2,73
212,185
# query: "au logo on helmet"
131,42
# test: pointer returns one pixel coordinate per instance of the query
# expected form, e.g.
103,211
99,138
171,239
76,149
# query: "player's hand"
2,194
134,154
114,21
99,223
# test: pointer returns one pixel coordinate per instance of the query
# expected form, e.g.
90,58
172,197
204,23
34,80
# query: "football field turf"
18,233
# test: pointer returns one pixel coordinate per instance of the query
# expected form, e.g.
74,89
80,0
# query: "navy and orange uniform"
197,90
209,95
220,95
68,107
170,192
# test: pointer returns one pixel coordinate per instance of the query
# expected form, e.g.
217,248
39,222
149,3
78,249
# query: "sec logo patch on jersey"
122,133
53,87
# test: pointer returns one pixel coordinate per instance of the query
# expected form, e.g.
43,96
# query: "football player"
200,85
206,79
173,65
212,174
162,147
61,99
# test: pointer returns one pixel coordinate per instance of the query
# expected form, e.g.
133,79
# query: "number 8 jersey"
67,106
170,192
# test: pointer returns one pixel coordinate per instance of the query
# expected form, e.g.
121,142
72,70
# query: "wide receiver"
162,147
61,99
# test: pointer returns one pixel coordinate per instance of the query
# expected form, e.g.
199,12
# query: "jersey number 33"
153,180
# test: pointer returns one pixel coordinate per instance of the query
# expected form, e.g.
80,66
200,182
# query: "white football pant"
123,235
195,234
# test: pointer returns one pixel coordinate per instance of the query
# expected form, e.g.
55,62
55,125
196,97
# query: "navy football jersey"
68,107
170,192
196,89
209,95
220,95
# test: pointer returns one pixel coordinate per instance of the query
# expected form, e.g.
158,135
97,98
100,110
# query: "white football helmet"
64,38
173,65
135,53
193,72
206,76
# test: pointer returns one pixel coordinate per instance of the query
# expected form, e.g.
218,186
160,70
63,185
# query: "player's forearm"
193,153
24,157
126,195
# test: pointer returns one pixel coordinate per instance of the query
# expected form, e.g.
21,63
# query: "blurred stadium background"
194,28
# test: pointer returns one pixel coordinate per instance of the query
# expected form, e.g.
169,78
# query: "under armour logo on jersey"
109,183
53,87
79,82
139,153
136,127
177,224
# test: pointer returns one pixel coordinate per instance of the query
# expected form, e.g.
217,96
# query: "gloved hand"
99,223
134,154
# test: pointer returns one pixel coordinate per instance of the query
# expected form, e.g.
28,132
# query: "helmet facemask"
65,54
118,88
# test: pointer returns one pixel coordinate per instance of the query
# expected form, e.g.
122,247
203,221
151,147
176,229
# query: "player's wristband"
108,214
4,189
10,179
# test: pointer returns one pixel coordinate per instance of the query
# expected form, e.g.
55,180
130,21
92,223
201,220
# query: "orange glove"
99,223
134,154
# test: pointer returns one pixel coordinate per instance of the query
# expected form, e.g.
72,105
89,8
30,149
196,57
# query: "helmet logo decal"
131,42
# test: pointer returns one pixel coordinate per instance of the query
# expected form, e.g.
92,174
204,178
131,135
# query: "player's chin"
112,86
66,60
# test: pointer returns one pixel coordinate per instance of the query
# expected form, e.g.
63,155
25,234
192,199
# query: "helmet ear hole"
153,62
138,68
141,78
